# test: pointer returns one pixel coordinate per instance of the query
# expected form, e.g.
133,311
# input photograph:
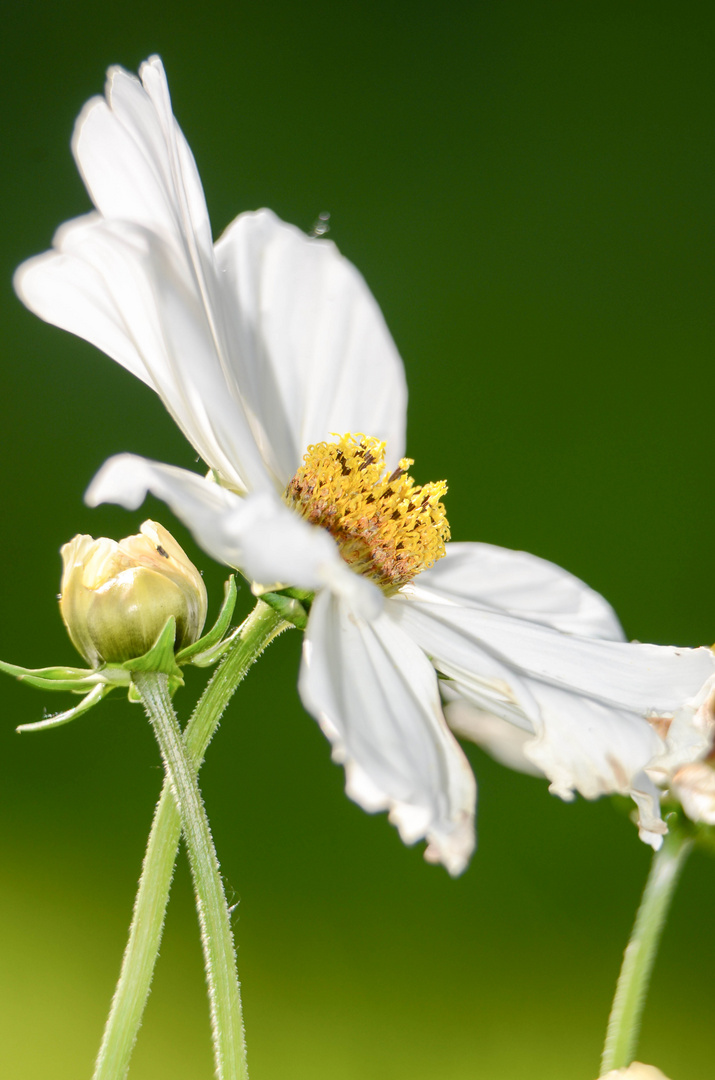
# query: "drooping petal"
503,740
522,585
654,679
316,356
376,698
596,758
591,705
257,534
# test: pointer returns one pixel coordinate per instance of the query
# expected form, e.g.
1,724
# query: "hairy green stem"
214,919
632,987
132,990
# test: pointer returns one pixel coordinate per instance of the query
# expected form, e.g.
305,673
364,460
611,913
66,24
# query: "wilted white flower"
263,347
692,783
635,1071
694,787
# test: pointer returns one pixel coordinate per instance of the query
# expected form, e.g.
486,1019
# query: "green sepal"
133,695
98,691
305,596
205,647
293,605
211,656
72,679
160,657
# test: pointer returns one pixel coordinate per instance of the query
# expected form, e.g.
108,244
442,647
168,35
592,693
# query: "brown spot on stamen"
386,527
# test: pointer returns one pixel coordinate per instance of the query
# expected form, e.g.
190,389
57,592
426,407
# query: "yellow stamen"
388,528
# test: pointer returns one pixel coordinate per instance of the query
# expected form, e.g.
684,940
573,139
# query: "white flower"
262,347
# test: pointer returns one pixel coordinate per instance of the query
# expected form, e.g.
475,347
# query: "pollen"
387,527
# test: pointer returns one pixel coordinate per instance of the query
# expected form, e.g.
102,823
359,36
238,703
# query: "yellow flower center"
388,528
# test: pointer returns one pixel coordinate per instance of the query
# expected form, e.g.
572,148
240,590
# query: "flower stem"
632,987
132,991
216,935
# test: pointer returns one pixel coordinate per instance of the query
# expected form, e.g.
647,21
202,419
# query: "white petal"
257,534
316,356
280,345
583,745
140,281
68,292
136,163
653,679
375,695
119,287
575,759
587,702
522,585
503,741
139,171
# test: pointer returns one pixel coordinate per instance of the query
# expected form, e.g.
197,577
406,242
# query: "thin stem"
632,987
142,949
214,919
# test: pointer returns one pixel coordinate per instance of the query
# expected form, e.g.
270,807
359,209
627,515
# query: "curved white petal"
67,291
316,355
653,679
137,165
522,585
502,740
592,705
257,534
120,287
139,170
376,698
586,748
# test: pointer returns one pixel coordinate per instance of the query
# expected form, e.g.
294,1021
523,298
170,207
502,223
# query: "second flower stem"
632,987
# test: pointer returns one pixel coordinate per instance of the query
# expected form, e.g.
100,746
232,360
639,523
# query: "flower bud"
117,597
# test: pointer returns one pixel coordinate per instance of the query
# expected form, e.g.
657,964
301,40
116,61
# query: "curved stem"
632,987
142,949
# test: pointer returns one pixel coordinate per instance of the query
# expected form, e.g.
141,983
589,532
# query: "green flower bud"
117,597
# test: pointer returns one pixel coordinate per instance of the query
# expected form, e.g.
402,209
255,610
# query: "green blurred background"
528,189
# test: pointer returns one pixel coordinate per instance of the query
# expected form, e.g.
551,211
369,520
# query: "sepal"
293,605
160,657
204,651
76,680
95,695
